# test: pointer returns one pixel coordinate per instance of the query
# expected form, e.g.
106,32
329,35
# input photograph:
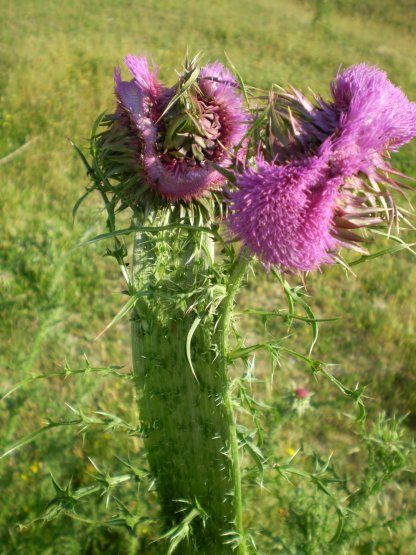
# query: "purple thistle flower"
283,213
372,112
367,116
324,173
202,124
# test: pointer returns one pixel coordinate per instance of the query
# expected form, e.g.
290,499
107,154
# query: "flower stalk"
179,339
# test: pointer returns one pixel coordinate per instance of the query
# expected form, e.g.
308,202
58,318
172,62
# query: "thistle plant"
220,180
293,180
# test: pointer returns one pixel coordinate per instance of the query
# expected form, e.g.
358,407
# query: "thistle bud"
301,392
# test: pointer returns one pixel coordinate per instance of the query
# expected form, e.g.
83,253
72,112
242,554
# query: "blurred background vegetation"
56,70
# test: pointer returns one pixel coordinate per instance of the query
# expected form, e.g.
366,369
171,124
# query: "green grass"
55,77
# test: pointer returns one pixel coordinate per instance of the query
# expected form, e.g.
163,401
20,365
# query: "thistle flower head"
181,130
324,171
283,213
371,111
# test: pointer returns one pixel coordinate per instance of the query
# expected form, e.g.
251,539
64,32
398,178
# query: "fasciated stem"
180,342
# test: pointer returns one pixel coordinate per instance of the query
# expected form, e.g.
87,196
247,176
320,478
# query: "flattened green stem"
186,429
186,412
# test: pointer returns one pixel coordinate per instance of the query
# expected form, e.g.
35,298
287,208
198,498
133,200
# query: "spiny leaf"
29,438
340,527
243,352
191,332
148,229
383,252
254,451
123,311
285,315
182,530
89,169
78,204
257,123
96,124
182,90
239,79
292,294
112,370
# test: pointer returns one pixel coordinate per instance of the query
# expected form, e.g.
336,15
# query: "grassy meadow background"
56,67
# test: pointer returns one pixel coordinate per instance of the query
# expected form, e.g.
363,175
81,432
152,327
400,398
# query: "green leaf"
257,123
67,371
32,436
228,174
191,332
181,531
174,127
254,451
273,348
239,79
277,125
292,294
83,158
383,252
149,229
243,352
182,89
286,315
124,310
78,204
340,527
24,441
96,124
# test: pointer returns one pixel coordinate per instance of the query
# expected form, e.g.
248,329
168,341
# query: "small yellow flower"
145,531
24,477
290,451
34,468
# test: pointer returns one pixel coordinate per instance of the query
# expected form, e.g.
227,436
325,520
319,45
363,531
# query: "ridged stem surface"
186,411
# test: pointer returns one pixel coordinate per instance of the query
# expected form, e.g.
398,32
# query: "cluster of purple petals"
143,99
373,116
219,85
284,213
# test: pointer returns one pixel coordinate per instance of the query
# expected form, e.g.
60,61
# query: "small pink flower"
301,392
